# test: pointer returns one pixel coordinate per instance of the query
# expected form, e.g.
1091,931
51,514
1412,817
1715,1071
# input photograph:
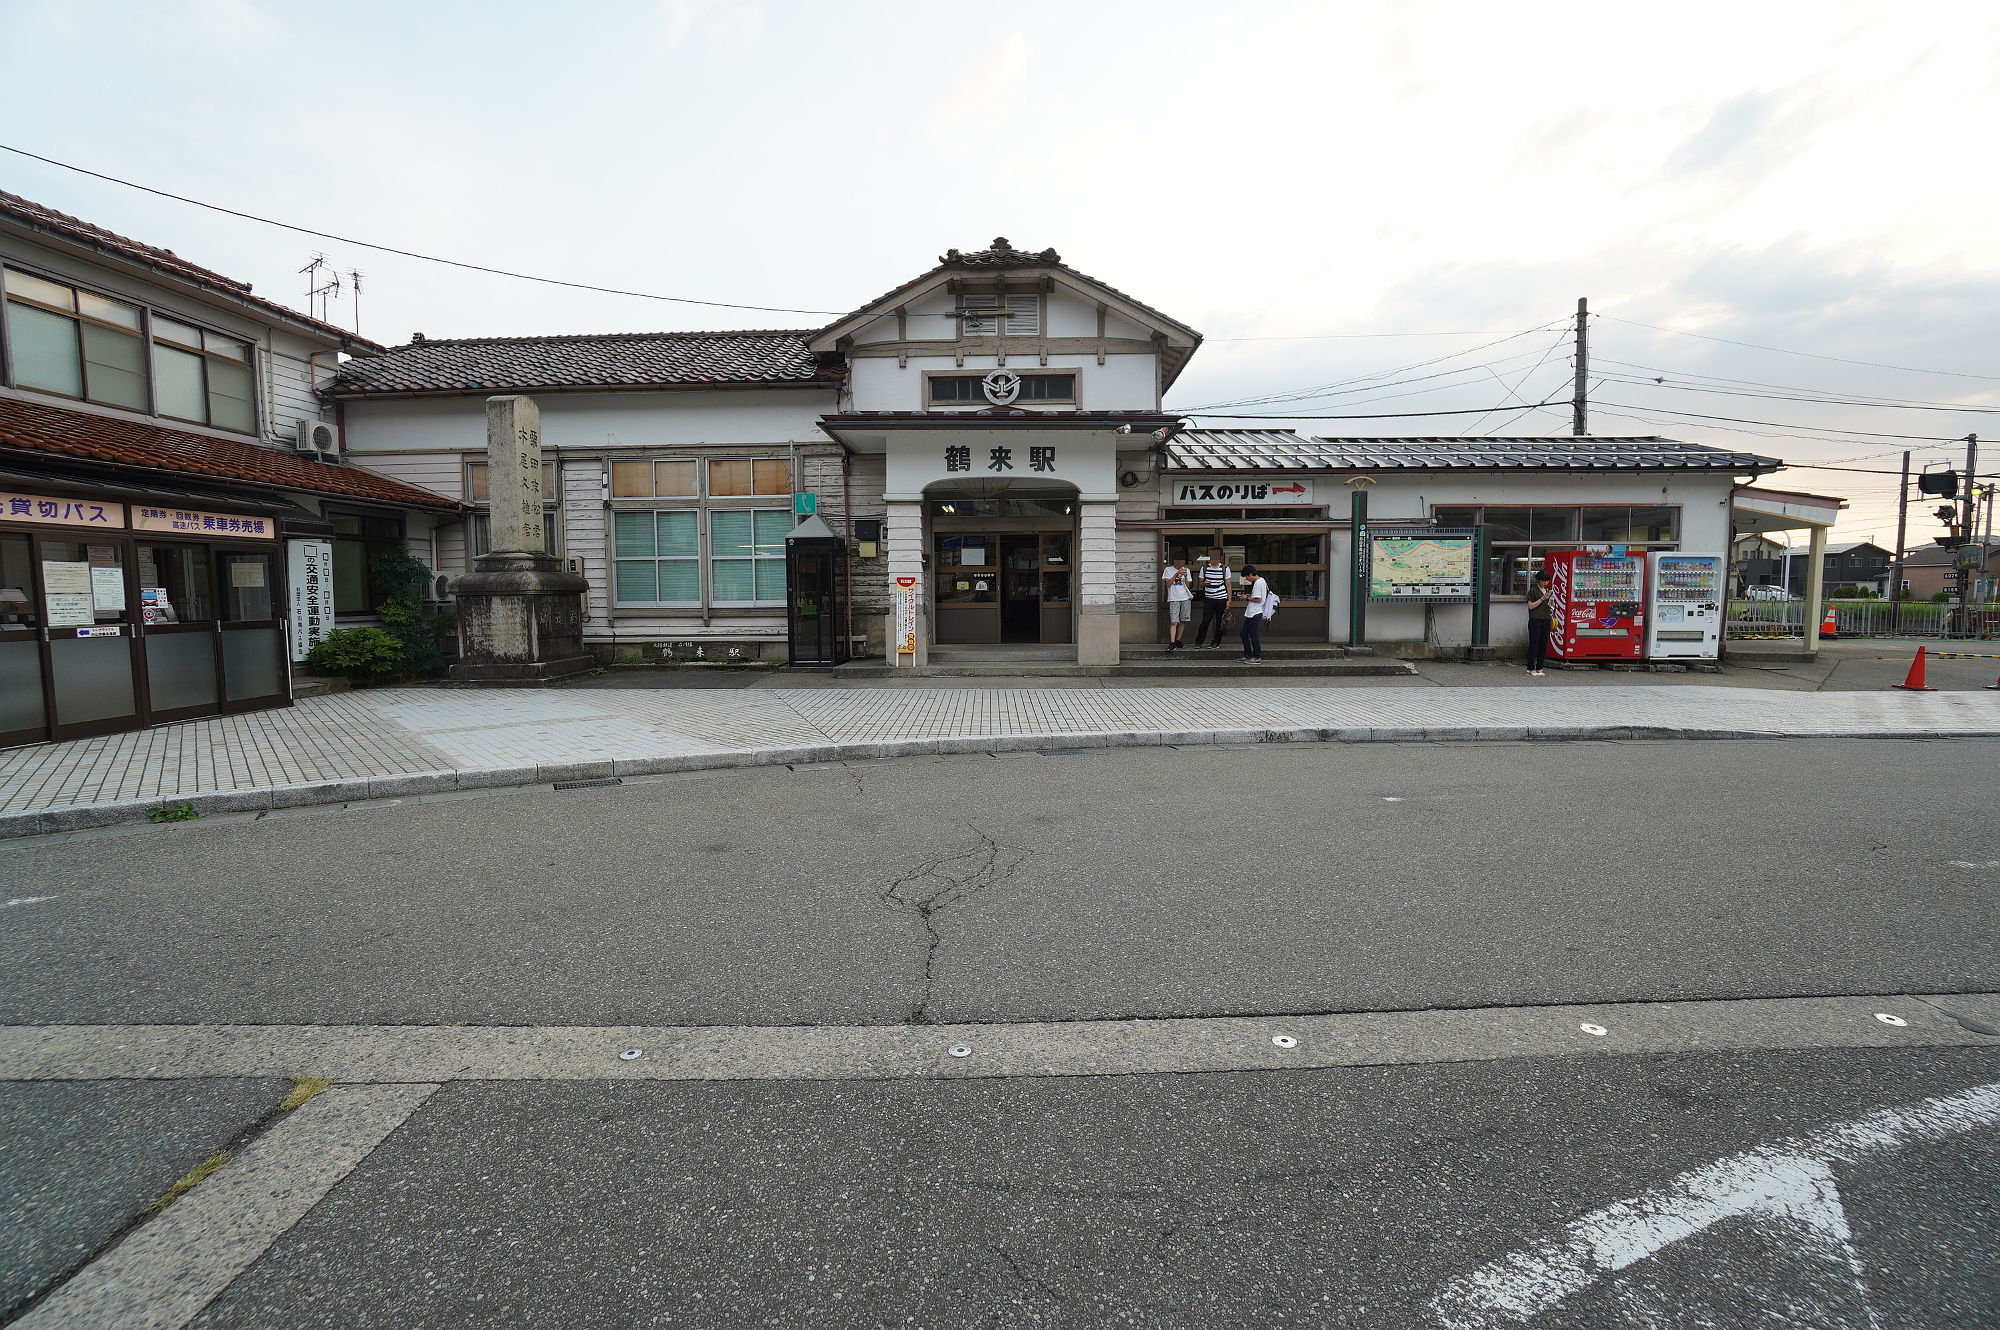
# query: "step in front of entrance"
1357,667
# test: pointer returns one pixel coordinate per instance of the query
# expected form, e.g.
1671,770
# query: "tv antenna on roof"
318,293
354,285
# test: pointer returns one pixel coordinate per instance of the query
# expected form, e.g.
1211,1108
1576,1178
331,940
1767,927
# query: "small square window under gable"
999,316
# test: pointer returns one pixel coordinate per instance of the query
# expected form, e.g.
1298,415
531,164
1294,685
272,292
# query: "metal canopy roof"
1284,450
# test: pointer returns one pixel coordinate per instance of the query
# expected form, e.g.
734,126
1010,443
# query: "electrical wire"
1380,415
1369,380
1690,376
1779,424
412,254
1637,382
1308,395
1811,355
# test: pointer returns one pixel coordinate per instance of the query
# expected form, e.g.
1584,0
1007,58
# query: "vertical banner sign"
906,616
514,475
311,566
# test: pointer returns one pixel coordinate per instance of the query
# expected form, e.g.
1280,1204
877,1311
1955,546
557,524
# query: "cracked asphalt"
1106,883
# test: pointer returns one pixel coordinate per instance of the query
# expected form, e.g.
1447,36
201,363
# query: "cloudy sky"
1299,181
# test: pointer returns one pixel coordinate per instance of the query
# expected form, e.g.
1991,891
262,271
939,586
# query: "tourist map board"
1428,566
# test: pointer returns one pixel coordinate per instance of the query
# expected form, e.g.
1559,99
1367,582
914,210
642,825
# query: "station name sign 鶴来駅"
1243,493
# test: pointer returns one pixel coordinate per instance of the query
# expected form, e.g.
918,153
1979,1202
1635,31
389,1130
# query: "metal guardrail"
1749,620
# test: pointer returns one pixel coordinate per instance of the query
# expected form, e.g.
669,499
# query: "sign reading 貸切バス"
311,566
146,517
16,507
1241,493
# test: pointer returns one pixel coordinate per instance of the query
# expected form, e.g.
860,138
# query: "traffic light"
1941,483
1945,513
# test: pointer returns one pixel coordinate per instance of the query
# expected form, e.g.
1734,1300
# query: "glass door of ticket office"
1003,586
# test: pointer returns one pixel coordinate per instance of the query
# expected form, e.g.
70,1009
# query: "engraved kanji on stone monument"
514,475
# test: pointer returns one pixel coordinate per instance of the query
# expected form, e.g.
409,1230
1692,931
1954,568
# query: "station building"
992,433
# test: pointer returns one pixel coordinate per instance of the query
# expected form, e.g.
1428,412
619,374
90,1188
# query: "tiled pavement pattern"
400,732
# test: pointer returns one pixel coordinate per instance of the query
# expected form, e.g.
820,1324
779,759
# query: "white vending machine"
1685,598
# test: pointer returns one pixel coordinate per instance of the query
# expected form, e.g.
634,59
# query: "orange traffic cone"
1913,682
1829,628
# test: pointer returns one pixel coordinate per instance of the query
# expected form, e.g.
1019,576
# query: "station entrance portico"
1002,564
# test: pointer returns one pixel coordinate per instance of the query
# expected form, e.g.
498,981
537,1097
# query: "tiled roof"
1003,255
131,443
597,361
1283,450
161,260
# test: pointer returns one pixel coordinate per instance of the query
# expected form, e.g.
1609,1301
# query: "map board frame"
1373,539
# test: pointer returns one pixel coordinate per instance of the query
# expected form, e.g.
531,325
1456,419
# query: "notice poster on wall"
69,593
107,587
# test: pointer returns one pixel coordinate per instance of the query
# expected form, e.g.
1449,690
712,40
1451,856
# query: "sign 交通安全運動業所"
310,565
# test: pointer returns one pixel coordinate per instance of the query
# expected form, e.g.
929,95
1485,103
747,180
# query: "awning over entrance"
1758,511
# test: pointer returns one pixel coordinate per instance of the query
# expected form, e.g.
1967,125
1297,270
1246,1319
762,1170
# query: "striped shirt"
1215,581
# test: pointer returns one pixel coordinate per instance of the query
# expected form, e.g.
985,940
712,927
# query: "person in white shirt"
1255,591
1180,601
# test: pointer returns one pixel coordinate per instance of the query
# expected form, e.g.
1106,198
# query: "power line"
1380,415
1691,377
1812,355
1315,337
1637,382
1307,394
1779,424
412,254
1327,389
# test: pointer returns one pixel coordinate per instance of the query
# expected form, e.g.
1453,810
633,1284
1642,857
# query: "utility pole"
1579,421
1896,569
1966,530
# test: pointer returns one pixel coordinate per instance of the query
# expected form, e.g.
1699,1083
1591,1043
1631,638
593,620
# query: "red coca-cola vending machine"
1597,604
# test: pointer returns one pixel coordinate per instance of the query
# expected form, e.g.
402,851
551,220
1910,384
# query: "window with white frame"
746,556
969,389
71,342
202,376
695,542
656,558
999,316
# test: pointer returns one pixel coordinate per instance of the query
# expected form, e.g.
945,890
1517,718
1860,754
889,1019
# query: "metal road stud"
1887,1019
1593,1029
959,1051
1284,1041
629,1054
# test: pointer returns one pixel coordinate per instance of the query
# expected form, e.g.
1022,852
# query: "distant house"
1927,571
1860,563
1757,560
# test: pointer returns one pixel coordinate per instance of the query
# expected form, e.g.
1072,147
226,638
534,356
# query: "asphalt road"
1842,1189
1347,1198
1096,884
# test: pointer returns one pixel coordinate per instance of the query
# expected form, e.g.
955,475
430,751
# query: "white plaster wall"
1124,382
638,420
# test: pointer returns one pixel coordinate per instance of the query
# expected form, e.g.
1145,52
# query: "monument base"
520,619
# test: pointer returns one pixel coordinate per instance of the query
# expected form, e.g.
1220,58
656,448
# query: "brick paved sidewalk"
392,742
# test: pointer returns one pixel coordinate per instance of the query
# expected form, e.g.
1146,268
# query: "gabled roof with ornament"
1181,340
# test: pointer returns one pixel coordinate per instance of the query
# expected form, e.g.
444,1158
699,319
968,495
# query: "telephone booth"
815,594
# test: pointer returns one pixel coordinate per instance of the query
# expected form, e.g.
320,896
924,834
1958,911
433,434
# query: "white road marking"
167,1270
1785,1190
1975,863
25,900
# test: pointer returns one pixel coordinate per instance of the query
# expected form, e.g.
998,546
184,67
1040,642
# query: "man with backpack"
1258,605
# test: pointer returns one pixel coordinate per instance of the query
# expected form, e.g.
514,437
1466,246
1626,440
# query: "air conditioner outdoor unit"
316,439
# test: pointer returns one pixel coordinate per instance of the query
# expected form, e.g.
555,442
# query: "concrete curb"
438,1054
81,817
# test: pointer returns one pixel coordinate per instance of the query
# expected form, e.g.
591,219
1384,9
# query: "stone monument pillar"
520,616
